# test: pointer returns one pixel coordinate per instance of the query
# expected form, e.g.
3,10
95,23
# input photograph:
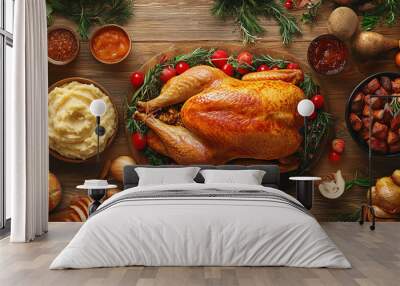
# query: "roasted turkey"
225,118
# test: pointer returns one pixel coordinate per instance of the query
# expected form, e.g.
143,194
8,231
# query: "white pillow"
166,176
248,177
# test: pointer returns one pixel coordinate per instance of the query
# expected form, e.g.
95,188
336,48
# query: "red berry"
219,58
137,79
338,145
228,69
288,5
334,157
313,115
293,66
263,68
139,141
167,73
318,101
181,67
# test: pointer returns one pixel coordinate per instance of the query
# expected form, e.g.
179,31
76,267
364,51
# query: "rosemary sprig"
246,14
90,12
309,87
270,61
386,12
288,24
317,130
311,14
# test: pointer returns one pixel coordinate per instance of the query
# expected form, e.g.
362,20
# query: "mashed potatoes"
72,126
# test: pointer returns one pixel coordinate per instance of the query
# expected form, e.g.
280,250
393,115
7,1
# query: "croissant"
76,212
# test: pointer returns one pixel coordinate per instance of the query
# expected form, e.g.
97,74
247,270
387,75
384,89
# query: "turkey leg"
294,76
180,88
177,142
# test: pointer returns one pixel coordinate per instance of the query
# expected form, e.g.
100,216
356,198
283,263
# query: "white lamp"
98,108
305,108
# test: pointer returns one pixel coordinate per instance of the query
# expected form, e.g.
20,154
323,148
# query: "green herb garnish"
311,14
386,13
86,13
246,14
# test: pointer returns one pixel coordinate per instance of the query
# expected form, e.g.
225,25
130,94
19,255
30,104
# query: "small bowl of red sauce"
62,45
110,44
327,55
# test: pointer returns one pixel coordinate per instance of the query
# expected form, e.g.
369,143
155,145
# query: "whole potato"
343,23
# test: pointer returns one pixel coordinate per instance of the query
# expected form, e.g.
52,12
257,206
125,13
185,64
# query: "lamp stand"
305,144
100,131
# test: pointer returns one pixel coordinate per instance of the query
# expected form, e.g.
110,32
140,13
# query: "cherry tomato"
244,59
137,79
318,101
288,4
338,145
219,58
397,59
293,66
228,69
243,71
263,68
139,141
313,116
167,73
334,157
181,67
275,68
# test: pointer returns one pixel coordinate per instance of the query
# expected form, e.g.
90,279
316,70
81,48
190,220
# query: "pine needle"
86,13
246,14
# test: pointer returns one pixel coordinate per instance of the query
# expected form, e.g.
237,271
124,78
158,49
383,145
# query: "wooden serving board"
159,25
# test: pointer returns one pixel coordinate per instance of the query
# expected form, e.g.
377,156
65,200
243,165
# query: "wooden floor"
375,257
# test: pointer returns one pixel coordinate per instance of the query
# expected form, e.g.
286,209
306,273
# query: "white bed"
246,226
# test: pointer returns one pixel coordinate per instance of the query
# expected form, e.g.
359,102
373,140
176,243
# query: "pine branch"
246,13
87,13
269,61
309,87
288,24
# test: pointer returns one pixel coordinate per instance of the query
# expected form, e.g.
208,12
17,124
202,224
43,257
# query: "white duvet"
200,231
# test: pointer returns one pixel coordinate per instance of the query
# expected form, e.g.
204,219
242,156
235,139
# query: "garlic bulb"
117,166
332,186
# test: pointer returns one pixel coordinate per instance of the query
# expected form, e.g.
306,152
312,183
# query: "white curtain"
26,124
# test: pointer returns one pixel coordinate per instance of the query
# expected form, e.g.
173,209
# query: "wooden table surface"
374,257
160,25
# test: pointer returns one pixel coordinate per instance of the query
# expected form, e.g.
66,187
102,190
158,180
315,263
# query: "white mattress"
194,231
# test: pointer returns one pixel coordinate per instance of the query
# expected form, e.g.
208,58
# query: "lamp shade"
98,107
305,107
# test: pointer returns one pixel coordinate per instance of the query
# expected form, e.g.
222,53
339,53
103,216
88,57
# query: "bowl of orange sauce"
110,44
